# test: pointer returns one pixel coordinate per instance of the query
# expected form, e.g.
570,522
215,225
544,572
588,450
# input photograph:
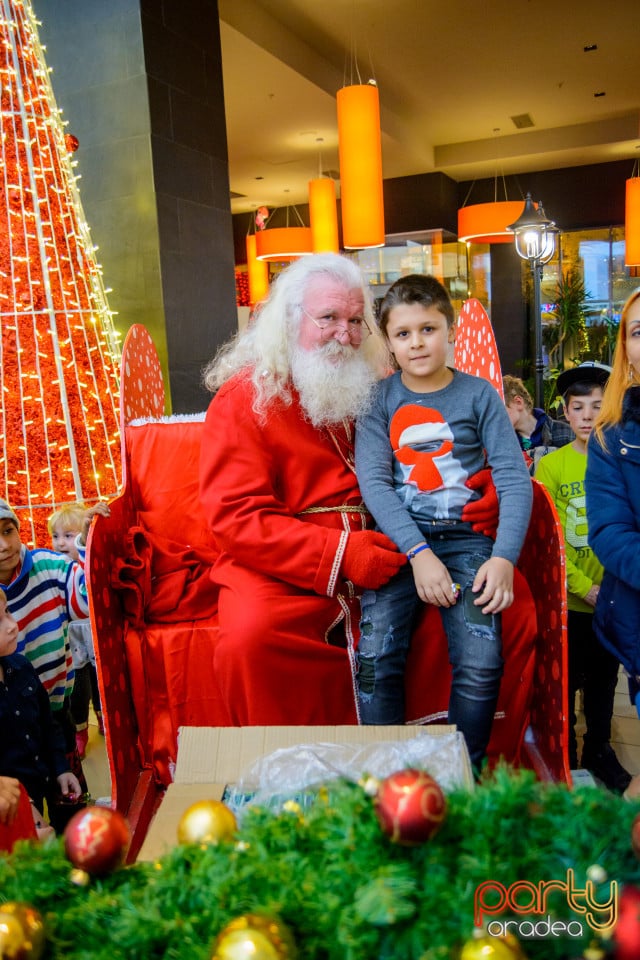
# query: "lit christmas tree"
59,349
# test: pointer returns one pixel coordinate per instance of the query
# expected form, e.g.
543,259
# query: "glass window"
427,252
598,256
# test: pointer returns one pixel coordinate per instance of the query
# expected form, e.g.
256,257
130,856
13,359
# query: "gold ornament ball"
207,821
596,873
79,877
13,939
22,934
486,947
255,937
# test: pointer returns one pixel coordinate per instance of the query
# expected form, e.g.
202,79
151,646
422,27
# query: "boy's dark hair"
581,388
416,288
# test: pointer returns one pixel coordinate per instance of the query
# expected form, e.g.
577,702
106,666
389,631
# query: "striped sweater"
49,591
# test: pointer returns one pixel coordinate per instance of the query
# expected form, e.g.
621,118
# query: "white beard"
334,382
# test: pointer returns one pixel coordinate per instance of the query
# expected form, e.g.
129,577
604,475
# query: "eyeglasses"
356,328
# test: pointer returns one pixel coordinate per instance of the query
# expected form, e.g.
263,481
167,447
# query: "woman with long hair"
613,500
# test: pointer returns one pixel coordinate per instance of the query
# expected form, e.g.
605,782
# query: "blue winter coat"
613,515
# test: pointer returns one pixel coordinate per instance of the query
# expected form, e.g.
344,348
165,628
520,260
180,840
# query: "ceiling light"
283,243
323,215
258,272
360,166
487,222
632,218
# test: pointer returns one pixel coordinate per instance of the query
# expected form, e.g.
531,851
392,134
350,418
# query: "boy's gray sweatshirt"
414,452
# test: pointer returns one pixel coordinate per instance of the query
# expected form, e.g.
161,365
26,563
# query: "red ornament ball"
626,934
71,142
97,840
410,806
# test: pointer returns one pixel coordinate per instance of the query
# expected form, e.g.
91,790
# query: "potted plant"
568,336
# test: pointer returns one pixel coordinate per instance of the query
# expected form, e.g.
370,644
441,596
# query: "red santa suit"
281,496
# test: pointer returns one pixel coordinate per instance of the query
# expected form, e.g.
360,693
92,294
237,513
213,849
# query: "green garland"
328,872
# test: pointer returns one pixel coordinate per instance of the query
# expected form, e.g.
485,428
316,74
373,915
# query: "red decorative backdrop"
242,288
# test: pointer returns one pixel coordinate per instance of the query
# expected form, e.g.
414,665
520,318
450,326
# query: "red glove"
482,514
370,559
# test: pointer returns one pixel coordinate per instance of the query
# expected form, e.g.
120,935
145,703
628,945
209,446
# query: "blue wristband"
412,553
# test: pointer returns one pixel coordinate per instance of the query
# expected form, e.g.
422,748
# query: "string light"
59,346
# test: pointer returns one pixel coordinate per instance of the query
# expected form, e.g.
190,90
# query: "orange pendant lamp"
258,271
274,244
360,152
323,215
283,243
487,222
632,219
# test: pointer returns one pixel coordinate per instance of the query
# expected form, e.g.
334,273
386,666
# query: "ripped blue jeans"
474,641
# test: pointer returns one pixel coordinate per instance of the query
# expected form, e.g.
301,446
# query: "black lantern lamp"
535,239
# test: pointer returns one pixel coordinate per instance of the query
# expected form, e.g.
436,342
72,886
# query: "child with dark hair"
592,669
425,434
32,747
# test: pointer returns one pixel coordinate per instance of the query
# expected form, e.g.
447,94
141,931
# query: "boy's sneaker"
100,724
605,766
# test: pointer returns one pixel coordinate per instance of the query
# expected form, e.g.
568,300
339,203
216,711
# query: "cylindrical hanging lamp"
283,243
487,222
632,222
258,272
360,166
323,215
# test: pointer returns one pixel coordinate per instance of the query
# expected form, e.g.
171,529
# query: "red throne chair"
155,623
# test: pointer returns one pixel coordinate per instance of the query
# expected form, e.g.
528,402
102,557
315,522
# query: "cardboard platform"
213,758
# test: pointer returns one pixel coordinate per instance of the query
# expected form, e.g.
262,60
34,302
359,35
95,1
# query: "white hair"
264,348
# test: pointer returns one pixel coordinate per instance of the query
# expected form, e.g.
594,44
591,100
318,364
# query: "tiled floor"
625,729
625,734
95,763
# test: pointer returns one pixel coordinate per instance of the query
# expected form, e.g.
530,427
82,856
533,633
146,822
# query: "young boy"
427,432
32,745
592,669
65,525
537,433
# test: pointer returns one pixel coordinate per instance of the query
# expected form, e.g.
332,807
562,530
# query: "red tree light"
59,349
